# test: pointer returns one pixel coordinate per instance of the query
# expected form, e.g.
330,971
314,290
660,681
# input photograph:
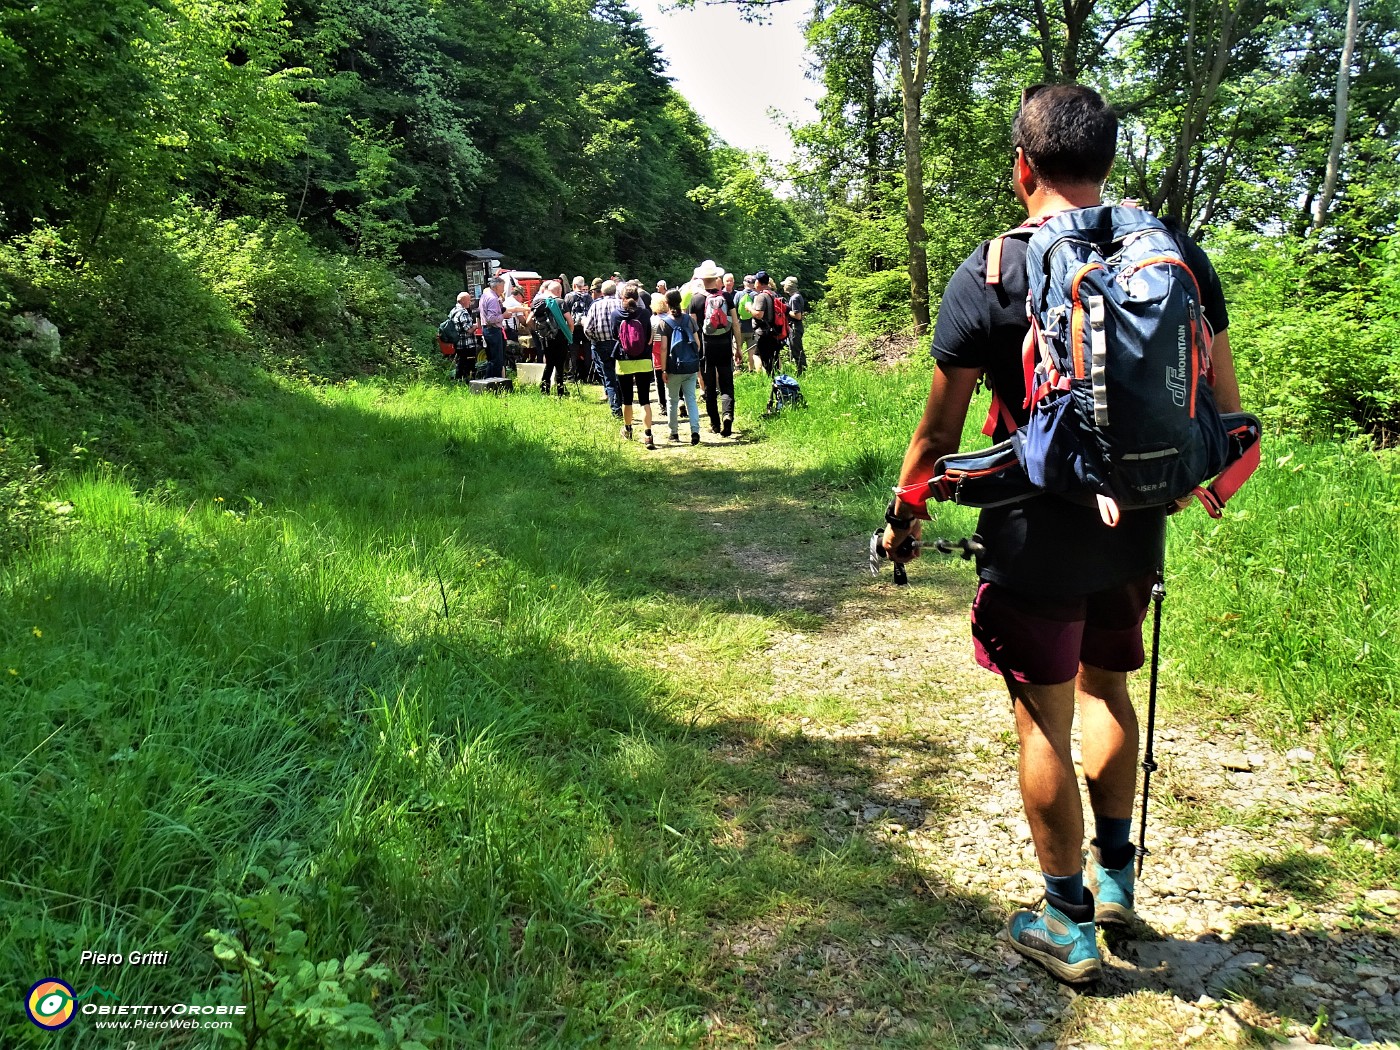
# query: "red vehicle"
523,284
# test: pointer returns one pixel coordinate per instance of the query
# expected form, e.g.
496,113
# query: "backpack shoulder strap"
1022,232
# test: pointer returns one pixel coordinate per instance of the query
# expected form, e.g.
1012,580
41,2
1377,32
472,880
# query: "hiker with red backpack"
769,322
797,319
1067,574
633,356
715,320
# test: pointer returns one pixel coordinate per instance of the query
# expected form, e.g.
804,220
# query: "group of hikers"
1066,577
686,340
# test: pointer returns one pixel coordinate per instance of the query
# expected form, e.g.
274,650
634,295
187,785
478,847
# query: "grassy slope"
447,678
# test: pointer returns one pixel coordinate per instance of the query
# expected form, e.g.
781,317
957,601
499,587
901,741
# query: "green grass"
1287,610
466,684
399,662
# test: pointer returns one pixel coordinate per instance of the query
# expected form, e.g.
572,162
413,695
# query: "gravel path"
1243,938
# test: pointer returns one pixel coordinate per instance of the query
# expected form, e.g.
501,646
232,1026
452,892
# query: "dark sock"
1067,888
1074,912
1111,836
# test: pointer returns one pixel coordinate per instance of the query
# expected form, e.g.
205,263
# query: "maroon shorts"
1042,641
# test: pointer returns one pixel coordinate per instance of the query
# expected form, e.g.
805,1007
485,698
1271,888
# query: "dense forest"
192,178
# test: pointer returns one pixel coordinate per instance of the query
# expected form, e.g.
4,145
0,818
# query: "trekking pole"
967,548
1149,764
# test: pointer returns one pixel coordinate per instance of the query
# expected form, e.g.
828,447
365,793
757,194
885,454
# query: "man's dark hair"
673,299
1068,132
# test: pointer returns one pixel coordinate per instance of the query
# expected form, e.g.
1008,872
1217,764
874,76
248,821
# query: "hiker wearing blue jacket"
1062,594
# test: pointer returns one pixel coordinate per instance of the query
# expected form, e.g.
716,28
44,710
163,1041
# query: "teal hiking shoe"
1112,889
1068,949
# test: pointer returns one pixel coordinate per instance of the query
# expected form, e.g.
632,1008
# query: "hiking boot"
1068,949
695,437
626,433
650,443
728,427
1112,889
675,436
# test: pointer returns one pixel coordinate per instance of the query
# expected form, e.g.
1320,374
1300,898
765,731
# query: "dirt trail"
1244,934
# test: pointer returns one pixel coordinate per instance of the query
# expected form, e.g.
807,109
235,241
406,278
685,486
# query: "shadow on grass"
503,788
522,823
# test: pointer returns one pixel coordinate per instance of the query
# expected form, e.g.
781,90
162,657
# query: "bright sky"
733,72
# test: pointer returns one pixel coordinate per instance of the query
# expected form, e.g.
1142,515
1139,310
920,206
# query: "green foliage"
1308,634
293,1001
766,233
378,222
156,325
77,90
1314,339
868,288
24,512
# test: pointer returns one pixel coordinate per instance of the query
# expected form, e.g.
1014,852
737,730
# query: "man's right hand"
894,539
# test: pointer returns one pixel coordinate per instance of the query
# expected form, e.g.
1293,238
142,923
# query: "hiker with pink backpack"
634,365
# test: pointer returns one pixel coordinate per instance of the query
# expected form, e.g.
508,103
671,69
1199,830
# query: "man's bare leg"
1108,732
1049,786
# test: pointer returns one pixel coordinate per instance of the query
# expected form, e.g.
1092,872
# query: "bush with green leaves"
293,1000
1315,339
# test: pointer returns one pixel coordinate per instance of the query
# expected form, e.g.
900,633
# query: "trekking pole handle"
967,548
878,553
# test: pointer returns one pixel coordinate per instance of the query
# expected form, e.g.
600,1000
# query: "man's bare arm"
1227,384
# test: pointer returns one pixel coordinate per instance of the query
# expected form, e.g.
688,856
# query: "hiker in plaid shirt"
601,330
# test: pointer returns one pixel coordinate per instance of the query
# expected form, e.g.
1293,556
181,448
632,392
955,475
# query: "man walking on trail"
1062,596
493,320
601,330
718,327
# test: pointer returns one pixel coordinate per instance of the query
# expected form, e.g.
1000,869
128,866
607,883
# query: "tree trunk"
913,72
1173,194
1339,123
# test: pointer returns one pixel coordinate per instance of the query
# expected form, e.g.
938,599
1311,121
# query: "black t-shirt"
723,343
763,312
577,304
1047,545
796,305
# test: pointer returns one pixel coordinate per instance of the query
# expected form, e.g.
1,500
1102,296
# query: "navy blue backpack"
1117,366
682,356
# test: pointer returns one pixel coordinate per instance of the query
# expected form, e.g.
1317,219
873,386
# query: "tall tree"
1339,123
908,25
